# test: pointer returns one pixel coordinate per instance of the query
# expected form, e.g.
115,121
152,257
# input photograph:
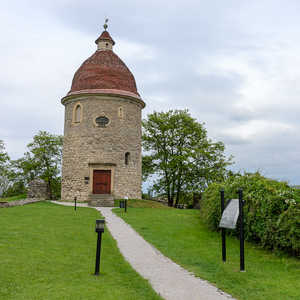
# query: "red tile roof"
104,70
105,36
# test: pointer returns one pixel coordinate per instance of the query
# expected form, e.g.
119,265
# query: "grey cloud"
242,115
188,38
233,140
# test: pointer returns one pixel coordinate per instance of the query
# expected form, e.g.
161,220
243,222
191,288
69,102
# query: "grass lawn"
47,251
13,198
180,235
142,203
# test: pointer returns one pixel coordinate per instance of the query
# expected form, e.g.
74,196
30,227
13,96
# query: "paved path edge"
168,279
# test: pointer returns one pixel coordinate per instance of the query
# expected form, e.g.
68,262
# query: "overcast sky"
234,64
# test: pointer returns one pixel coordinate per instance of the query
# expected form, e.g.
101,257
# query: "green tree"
45,155
180,155
42,160
24,169
4,168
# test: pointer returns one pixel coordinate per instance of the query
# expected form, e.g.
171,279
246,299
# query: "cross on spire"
105,24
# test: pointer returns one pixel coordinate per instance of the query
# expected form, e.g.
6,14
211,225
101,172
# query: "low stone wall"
38,189
162,201
19,202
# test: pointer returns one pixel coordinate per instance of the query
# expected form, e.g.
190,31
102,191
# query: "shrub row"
272,210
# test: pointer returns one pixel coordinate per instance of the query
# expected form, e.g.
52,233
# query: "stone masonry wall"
38,189
88,147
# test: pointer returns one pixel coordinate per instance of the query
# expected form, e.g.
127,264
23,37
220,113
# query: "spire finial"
105,24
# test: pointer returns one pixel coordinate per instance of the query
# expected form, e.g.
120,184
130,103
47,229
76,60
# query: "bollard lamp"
100,225
99,229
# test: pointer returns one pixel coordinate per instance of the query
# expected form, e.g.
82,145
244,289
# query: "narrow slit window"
77,114
120,113
127,158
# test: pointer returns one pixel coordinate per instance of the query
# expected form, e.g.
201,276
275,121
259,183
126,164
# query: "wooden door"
101,181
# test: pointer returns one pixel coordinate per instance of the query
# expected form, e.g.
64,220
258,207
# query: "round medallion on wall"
102,121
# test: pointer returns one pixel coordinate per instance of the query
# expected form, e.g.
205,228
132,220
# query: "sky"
235,65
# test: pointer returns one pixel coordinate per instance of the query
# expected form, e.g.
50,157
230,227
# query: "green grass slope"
47,251
138,203
13,198
180,235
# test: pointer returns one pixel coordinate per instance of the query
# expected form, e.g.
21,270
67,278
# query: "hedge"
272,210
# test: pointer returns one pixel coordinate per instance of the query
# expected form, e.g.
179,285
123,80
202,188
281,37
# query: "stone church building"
102,130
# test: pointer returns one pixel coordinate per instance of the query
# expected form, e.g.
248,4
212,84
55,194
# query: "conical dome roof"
104,71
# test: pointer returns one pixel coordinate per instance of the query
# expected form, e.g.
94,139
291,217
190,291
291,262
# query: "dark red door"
101,182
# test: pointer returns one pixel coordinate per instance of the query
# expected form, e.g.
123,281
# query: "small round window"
102,121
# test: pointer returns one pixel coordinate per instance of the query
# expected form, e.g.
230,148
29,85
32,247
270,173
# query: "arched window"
77,114
127,158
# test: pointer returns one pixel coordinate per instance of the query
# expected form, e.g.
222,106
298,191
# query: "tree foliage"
4,165
43,160
271,211
180,155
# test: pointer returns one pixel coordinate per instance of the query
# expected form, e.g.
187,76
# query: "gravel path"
168,279
71,204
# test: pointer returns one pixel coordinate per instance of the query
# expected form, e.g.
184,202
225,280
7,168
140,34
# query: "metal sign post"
230,215
241,213
223,230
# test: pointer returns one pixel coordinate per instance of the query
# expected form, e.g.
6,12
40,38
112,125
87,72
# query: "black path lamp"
75,202
99,229
75,199
126,198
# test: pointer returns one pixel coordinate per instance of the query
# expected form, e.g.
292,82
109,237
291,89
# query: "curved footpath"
168,279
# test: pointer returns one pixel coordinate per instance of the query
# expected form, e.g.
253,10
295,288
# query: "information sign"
230,215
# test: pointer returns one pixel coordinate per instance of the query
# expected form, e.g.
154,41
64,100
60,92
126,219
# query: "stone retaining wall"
162,201
19,202
38,189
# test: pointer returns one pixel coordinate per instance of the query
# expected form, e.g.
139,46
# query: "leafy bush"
17,188
56,188
271,210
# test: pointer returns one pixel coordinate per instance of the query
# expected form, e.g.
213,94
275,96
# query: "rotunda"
102,130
